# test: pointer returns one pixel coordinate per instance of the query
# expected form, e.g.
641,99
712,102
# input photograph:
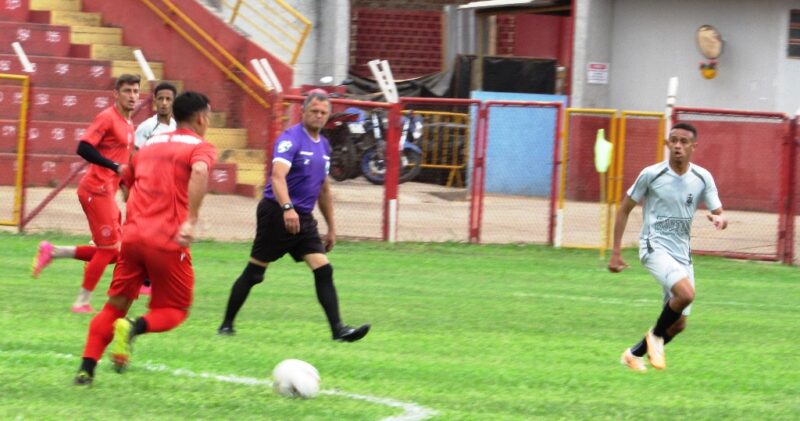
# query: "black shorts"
273,241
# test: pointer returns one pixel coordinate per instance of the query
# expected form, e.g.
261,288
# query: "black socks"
88,365
641,348
326,294
253,274
667,318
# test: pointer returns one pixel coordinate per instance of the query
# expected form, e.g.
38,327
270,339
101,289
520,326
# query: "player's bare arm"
716,218
290,217
198,186
326,207
616,263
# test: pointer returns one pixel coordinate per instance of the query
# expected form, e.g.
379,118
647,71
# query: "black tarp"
500,74
519,74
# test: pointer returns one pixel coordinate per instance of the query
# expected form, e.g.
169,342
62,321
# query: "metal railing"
232,61
275,20
22,130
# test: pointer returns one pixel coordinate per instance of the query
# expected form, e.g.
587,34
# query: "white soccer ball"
295,379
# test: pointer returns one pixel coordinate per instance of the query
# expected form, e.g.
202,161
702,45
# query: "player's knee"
677,327
253,274
324,273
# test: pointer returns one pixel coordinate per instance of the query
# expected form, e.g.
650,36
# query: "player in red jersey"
169,178
107,145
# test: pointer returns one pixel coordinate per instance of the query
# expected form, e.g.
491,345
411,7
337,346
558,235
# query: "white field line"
642,302
412,411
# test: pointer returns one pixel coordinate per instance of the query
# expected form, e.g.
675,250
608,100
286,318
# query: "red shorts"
170,273
103,215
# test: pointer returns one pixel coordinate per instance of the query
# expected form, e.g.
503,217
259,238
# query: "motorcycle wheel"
343,159
411,161
373,166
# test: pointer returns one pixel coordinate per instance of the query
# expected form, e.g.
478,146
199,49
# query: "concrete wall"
592,43
325,51
652,40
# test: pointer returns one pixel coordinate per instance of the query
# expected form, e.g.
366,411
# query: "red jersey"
112,135
158,202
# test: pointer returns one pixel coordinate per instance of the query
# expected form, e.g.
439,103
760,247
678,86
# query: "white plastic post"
148,72
387,71
23,58
383,75
272,77
261,74
672,95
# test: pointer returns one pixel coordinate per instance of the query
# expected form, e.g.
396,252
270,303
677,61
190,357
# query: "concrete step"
44,137
242,156
119,67
72,18
63,71
56,104
111,52
66,5
224,138
37,39
95,35
254,177
216,119
45,170
15,11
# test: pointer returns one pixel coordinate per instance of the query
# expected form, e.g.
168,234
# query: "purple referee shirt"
309,161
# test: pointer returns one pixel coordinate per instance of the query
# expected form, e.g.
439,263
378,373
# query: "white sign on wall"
597,73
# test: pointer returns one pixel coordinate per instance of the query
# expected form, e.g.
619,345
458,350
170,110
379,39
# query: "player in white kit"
670,193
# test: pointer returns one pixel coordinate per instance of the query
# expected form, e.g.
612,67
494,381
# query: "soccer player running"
169,178
285,224
671,192
161,121
107,145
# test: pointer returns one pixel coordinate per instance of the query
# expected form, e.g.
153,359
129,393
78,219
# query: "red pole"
392,176
478,172
790,158
554,176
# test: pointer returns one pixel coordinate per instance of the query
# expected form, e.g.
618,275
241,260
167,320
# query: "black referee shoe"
226,330
350,334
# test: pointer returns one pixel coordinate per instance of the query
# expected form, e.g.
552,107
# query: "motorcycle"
373,160
343,130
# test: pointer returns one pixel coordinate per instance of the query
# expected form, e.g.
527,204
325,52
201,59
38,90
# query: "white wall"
325,51
652,40
592,43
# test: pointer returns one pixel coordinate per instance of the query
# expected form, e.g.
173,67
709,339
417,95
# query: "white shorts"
668,272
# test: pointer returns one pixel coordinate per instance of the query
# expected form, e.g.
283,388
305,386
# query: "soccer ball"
295,379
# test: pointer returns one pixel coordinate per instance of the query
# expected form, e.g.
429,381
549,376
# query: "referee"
285,224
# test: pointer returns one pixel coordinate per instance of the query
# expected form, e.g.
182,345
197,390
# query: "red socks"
101,331
96,266
164,319
84,253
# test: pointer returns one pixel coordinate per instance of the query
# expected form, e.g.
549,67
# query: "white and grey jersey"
152,127
670,201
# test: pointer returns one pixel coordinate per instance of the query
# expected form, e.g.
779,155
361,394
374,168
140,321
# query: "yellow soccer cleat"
633,362
122,344
655,350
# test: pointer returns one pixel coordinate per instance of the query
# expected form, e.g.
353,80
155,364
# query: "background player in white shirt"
670,192
161,121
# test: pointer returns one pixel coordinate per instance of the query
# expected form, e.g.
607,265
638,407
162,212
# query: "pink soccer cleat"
144,290
86,308
43,258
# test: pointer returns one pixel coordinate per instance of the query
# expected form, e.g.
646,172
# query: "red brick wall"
506,25
410,40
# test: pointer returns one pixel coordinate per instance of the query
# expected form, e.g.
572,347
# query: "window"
794,34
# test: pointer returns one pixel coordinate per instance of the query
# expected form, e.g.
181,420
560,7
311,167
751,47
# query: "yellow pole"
235,11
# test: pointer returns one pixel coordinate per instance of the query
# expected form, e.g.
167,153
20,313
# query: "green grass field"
459,332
